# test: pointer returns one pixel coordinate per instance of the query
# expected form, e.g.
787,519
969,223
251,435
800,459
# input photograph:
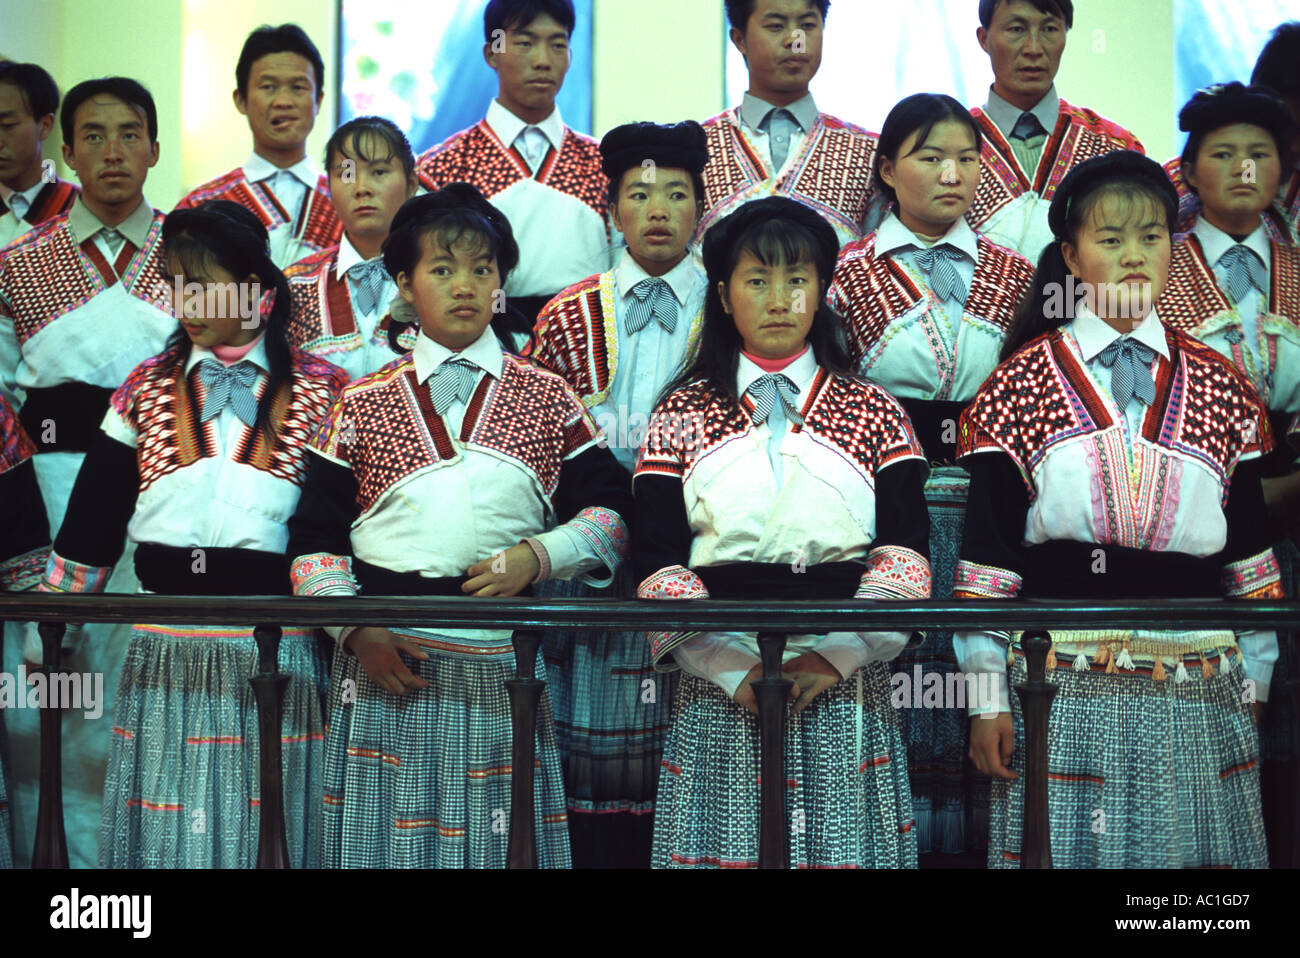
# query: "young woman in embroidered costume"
200,461
926,303
441,474
24,546
1139,477
617,338
771,470
341,295
1237,290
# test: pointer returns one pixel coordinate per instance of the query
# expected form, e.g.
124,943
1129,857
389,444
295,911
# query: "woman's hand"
504,574
377,651
744,696
812,676
991,741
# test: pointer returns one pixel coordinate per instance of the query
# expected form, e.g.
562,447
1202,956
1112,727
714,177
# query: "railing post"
51,846
771,693
268,688
525,691
1036,696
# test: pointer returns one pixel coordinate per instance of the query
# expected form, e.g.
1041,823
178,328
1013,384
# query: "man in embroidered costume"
29,195
1032,137
777,143
545,177
83,300
617,338
1277,68
280,81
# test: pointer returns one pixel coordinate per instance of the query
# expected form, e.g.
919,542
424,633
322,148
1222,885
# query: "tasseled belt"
1118,650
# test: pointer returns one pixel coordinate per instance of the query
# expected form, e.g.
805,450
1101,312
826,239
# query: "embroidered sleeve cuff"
23,572
1256,577
594,541
975,581
64,575
1259,652
895,572
322,574
671,582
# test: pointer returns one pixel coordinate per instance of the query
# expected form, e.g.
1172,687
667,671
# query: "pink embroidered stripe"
322,574
894,572
975,581
64,575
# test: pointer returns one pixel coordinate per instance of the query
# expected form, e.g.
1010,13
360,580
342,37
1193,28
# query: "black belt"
73,410
780,580
376,580
1064,569
171,570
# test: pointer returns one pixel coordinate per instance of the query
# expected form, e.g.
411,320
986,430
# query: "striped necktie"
765,390
937,264
228,385
1129,362
1245,271
368,281
452,381
654,298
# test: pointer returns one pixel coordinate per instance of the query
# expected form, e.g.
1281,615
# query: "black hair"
775,230
40,92
362,127
507,15
124,88
286,38
1278,65
1125,174
919,113
739,11
1226,104
231,236
1060,8
447,215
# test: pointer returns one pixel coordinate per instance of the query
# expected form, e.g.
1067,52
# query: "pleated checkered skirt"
847,798
950,799
612,711
1141,774
183,785
6,824
422,780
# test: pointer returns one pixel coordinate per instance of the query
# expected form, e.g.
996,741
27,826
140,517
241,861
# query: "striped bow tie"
764,391
452,381
368,281
937,264
1129,363
228,385
654,298
1245,270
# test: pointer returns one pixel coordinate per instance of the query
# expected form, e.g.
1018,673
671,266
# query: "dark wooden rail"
772,620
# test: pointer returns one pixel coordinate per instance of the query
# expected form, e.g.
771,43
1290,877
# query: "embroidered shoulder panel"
569,338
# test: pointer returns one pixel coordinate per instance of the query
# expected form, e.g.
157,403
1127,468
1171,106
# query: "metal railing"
773,621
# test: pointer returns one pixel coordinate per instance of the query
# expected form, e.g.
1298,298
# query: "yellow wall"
659,60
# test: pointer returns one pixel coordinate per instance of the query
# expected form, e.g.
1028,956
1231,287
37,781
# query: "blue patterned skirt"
612,711
6,826
949,797
1141,774
183,774
848,803
422,780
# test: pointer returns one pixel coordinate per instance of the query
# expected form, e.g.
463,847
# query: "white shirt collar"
1215,242
1093,334
800,372
484,352
507,126
1004,115
258,168
681,279
349,257
256,356
892,236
